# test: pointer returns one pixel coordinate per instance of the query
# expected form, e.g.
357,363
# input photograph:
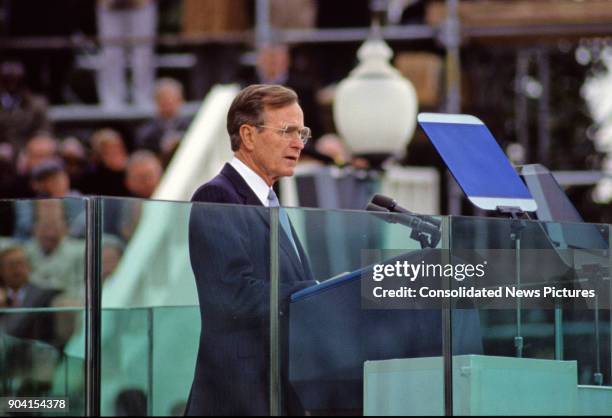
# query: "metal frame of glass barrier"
93,306
447,327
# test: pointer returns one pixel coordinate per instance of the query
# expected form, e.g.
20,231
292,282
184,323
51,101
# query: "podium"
482,385
331,337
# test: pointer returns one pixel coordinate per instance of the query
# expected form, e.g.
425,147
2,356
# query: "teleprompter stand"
516,227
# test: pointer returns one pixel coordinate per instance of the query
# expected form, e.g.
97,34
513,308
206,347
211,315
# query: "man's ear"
247,135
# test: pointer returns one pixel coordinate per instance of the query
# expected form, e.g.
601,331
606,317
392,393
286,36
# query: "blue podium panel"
331,336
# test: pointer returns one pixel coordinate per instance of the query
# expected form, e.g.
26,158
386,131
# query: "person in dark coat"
20,293
274,66
106,176
230,255
163,133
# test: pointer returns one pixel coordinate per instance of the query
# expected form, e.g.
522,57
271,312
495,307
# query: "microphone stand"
422,238
516,228
426,239
595,275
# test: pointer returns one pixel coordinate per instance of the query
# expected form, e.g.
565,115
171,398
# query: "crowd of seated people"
42,220
47,270
34,163
41,299
97,164
43,179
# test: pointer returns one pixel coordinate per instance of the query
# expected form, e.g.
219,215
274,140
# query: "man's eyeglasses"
292,131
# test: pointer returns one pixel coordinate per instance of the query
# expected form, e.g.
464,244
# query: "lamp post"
375,107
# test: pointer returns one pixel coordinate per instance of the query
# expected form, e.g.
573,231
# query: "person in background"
274,67
58,260
22,113
162,134
41,147
50,180
109,163
106,177
25,324
143,174
74,156
142,177
133,19
19,292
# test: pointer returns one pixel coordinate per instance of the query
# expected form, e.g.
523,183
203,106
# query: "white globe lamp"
375,107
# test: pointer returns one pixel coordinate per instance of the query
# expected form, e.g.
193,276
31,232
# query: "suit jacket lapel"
248,195
250,198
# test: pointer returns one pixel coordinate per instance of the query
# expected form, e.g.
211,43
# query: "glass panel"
537,348
339,356
171,380
126,366
154,335
42,283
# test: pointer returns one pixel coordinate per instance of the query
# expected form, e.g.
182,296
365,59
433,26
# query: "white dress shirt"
260,188
256,183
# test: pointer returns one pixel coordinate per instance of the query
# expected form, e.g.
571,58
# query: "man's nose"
296,142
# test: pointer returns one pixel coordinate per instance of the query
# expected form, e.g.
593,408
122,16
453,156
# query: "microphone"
375,208
418,226
391,205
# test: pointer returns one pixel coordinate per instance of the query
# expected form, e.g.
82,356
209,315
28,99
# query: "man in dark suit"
22,332
162,134
20,293
229,249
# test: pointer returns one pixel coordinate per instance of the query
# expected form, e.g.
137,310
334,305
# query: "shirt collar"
252,179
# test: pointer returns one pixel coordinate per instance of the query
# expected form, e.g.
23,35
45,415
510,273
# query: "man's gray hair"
143,156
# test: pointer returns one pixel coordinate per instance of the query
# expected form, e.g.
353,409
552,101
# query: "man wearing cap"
229,249
49,179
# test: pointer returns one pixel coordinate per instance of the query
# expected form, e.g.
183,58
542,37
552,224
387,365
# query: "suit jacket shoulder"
227,187
214,192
